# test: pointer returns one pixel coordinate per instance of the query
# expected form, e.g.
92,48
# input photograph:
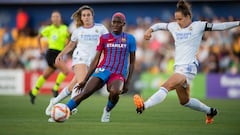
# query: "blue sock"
71,104
110,105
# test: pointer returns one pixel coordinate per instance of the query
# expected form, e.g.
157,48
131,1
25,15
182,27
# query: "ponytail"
184,8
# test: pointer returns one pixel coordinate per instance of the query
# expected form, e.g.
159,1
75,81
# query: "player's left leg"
40,81
195,104
60,78
114,87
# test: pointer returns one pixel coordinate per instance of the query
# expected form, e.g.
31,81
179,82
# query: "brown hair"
184,8
76,16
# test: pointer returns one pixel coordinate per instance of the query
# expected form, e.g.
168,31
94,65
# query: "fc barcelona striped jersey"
116,50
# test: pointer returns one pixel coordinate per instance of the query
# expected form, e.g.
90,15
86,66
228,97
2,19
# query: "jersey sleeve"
104,30
132,43
45,31
202,25
74,36
224,25
159,26
67,32
100,44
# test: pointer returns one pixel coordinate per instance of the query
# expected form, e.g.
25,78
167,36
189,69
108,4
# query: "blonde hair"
76,16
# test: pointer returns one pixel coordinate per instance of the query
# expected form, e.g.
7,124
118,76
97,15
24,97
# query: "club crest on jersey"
124,40
54,37
99,70
190,28
96,30
110,40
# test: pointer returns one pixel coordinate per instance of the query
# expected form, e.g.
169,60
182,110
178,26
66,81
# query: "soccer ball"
60,112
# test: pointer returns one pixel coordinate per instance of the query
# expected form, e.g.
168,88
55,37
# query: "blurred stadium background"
218,82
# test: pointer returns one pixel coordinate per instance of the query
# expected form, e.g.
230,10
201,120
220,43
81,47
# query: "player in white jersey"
84,41
187,36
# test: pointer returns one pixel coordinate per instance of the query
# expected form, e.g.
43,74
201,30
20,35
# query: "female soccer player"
115,69
84,39
187,36
57,35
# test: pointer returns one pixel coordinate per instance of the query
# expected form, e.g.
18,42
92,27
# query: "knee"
46,76
114,93
166,86
64,70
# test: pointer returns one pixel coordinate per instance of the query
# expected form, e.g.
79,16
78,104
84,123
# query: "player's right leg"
80,70
160,95
92,85
78,78
61,65
62,95
155,99
40,81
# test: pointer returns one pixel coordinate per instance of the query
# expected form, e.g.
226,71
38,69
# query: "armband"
208,26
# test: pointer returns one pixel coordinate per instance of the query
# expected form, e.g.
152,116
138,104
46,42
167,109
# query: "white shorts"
81,58
189,70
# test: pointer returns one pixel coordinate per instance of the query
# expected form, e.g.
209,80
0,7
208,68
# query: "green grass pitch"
19,117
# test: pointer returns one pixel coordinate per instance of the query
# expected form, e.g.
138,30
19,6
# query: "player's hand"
80,85
58,59
147,34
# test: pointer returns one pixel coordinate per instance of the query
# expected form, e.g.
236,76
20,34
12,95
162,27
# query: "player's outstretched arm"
221,26
155,27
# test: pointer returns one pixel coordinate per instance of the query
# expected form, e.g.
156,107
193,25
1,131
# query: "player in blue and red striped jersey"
115,69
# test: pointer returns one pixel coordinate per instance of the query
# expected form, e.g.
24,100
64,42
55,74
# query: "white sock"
62,95
156,98
197,105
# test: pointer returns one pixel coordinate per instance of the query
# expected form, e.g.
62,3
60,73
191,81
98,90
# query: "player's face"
183,21
87,18
117,24
56,18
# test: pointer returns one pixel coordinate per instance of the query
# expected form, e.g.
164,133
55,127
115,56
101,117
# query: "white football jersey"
87,39
187,40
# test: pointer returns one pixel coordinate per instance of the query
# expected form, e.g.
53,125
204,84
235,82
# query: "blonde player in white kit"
84,41
187,36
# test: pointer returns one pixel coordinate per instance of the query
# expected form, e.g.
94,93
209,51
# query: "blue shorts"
107,76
